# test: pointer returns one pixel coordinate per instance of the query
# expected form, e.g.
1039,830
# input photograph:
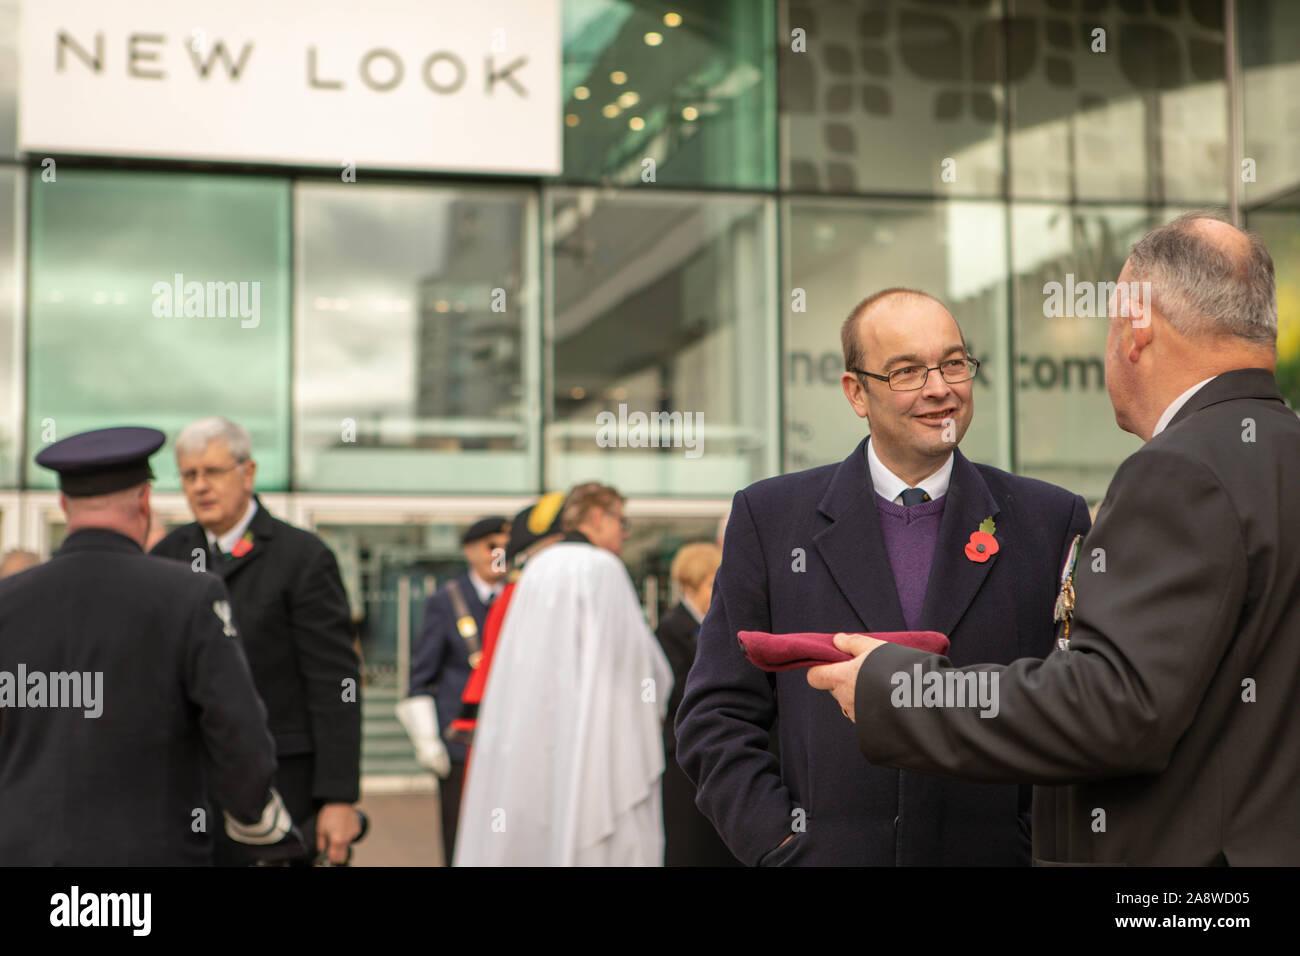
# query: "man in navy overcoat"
876,543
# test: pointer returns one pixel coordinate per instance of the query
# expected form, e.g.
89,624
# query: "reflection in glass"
662,308
1280,229
8,77
1269,41
415,352
155,299
1065,424
11,357
892,97
698,102
1137,111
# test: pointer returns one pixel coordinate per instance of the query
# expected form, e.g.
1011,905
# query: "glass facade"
1269,170
661,305
416,338
158,298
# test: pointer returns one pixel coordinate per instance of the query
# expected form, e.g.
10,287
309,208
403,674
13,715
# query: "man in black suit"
879,540
119,675
449,647
292,614
1164,731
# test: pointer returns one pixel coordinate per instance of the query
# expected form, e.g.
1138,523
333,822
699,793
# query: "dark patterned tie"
914,496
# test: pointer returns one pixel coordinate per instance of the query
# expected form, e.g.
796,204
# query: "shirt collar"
1177,404
482,588
690,608
890,487
227,541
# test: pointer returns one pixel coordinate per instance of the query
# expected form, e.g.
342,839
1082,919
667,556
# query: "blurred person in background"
158,711
689,837
532,530
157,531
568,753
17,561
449,648
293,618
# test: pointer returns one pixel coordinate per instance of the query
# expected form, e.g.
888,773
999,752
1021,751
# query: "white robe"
568,752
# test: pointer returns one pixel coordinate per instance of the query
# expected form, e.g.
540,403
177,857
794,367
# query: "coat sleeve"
328,665
729,706
1160,583
232,717
430,647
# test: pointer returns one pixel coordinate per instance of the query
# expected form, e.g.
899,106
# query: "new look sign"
399,84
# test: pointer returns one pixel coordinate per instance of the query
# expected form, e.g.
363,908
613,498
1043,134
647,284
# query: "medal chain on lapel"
1064,613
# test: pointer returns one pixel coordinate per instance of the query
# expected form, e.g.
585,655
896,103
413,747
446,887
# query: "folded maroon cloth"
787,652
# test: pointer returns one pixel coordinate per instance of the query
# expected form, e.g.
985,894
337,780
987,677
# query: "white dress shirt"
483,589
1178,403
228,540
890,487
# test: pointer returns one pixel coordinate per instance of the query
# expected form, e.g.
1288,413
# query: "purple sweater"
910,536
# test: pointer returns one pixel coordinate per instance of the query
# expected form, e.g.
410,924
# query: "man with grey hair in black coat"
292,614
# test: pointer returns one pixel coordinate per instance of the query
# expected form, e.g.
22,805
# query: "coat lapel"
854,548
954,578
476,607
262,527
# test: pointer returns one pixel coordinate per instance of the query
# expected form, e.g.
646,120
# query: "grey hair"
1202,289
196,436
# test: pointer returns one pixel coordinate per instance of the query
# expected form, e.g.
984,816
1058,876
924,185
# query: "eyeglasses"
191,475
622,521
911,377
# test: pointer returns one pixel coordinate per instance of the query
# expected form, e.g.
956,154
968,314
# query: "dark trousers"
449,796
689,837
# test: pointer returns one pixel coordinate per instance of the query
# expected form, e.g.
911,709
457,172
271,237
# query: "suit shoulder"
779,489
175,543
1026,490
300,538
179,577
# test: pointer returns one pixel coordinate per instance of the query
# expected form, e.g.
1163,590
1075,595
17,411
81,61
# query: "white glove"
419,716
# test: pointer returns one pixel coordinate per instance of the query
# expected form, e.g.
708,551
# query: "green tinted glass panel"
688,86
11,359
156,299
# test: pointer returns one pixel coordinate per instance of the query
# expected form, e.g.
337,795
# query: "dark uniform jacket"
1168,733
123,788
440,660
851,812
292,615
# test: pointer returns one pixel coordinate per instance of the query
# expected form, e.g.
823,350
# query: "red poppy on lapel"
243,545
982,545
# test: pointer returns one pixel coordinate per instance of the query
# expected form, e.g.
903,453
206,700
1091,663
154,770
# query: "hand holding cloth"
784,652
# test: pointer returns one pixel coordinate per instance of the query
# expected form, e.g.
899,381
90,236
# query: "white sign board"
399,84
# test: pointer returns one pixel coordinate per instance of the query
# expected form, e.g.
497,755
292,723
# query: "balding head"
1207,306
126,512
851,339
1209,279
